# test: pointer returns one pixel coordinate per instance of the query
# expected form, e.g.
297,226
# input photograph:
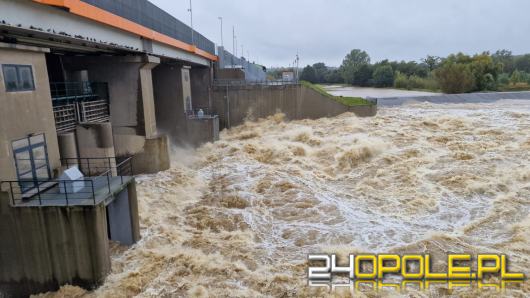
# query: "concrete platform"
53,197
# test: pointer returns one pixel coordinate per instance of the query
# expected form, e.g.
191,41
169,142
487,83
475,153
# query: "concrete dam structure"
93,93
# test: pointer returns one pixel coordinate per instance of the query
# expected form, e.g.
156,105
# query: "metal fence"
149,15
79,102
223,83
76,91
195,113
101,174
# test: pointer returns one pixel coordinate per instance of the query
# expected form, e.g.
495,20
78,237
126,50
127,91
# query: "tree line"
456,73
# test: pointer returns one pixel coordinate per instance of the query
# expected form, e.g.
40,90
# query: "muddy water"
237,218
364,92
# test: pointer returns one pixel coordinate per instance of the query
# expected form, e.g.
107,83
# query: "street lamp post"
221,19
191,23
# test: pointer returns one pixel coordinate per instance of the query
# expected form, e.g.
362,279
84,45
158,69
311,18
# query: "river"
364,92
237,218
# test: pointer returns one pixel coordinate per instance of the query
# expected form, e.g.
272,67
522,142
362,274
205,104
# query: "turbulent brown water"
237,217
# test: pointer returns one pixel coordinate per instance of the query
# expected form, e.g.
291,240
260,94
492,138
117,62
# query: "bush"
401,81
503,79
488,82
455,78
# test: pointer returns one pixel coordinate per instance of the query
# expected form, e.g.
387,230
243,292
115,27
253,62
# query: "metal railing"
253,83
51,189
79,102
206,113
101,174
76,91
101,166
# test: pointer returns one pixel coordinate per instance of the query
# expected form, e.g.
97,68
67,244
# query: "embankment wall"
235,104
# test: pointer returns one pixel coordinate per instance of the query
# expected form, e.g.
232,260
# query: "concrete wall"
234,104
27,112
203,130
44,248
200,86
153,157
169,107
133,109
130,88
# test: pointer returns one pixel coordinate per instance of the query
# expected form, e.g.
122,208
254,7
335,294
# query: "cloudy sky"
272,31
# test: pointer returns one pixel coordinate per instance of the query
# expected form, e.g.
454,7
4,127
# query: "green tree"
506,59
320,72
383,76
308,74
354,67
522,63
333,76
363,75
455,77
484,69
432,62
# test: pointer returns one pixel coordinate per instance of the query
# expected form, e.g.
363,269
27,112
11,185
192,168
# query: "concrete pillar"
95,141
148,99
68,149
154,156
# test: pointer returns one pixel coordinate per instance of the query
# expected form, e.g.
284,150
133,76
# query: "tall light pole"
191,23
242,52
221,19
233,44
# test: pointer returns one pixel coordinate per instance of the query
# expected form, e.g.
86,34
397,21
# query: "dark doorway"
31,161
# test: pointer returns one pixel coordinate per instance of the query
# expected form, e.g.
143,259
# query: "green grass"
348,101
514,87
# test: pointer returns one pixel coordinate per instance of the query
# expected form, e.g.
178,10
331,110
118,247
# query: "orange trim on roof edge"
86,10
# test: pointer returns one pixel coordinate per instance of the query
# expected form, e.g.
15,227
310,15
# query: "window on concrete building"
18,77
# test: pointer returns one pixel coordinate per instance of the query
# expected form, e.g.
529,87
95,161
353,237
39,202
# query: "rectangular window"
18,78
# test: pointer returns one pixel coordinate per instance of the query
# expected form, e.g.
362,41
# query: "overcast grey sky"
326,30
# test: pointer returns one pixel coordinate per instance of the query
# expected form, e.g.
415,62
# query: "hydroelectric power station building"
93,92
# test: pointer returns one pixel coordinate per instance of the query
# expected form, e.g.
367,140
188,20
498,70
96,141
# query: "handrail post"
38,193
12,195
65,192
108,180
93,192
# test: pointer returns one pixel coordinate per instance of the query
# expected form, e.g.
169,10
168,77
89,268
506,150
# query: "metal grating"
94,111
65,117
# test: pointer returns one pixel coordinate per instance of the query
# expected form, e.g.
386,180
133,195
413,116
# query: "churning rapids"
238,217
